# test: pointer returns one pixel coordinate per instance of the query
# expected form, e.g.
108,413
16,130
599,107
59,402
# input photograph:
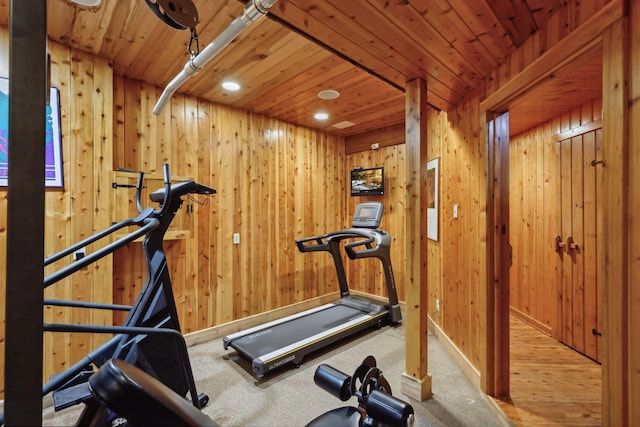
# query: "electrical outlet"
455,211
79,254
437,305
236,238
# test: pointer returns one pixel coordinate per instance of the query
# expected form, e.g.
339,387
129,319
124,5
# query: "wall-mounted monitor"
367,182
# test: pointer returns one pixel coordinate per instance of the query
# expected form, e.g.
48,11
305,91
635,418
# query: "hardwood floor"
551,384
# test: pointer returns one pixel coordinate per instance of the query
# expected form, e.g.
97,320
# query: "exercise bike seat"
143,400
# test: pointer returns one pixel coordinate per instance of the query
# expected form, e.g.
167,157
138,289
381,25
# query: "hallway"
551,384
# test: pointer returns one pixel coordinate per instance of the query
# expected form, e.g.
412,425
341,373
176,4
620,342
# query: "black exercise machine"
134,397
376,405
289,339
150,337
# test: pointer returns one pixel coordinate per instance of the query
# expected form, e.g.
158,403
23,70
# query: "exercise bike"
150,338
376,405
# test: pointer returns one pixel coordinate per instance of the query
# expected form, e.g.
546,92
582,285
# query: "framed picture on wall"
53,145
432,199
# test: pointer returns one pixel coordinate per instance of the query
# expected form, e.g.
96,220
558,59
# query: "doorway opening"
552,269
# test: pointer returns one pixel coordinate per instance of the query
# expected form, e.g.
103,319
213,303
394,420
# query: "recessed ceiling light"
90,3
321,116
231,86
328,94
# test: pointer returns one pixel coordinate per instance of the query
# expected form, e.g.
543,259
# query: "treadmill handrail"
323,240
330,242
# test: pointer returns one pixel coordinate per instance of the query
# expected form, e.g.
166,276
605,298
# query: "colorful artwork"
432,199
53,151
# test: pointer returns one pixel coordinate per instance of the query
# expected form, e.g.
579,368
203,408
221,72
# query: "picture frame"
53,138
432,199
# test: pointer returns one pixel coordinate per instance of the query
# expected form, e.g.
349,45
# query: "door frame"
495,366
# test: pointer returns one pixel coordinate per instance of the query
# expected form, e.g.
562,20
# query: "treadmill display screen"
367,215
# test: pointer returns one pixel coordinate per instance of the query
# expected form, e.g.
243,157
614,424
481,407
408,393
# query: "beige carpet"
290,398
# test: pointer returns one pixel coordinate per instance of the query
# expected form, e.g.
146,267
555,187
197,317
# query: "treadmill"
288,340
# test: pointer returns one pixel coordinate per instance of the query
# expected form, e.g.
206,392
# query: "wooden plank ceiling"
365,49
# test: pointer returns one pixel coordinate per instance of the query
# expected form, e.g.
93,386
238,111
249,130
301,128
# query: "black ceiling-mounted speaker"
178,14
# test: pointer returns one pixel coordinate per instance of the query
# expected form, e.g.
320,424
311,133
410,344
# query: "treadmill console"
367,215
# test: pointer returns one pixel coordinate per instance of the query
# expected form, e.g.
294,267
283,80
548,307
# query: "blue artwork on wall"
52,146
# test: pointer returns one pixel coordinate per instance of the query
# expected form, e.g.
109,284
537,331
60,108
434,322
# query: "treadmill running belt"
282,335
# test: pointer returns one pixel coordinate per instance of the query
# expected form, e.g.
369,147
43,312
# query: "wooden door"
579,244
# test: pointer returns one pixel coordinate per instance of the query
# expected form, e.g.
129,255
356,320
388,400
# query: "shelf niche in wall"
124,203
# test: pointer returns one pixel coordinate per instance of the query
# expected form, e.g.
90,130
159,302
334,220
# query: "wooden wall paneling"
384,137
537,279
223,248
175,250
547,295
256,214
81,177
283,211
436,122
365,275
131,129
203,213
245,215
289,226
300,187
118,121
615,107
229,285
58,219
463,288
102,152
398,209
323,209
190,169
475,165
517,235
634,211
272,198
148,135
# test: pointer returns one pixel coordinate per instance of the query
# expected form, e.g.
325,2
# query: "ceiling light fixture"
231,86
321,116
328,94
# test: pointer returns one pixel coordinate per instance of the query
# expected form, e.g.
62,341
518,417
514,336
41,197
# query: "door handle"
570,246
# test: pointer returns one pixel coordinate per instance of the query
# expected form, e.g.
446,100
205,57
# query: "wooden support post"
615,125
25,212
634,210
416,381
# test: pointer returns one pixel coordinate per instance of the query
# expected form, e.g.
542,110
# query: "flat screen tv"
367,182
